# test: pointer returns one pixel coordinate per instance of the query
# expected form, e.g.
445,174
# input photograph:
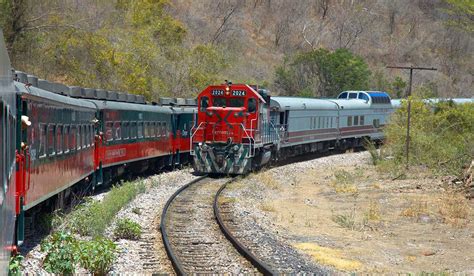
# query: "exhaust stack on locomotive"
232,129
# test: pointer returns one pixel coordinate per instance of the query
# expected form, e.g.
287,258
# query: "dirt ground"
351,217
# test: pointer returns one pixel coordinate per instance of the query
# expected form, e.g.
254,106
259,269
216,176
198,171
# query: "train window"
42,142
83,136
72,138
133,130
361,120
356,120
66,140
147,129
363,96
319,122
349,121
343,96
352,95
117,131
252,104
204,103
152,129
219,102
327,122
376,122
236,102
126,130
165,130
50,141
59,139
158,129
78,138
140,129
109,136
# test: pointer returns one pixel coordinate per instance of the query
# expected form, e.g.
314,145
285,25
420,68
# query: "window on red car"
252,105
236,102
204,103
219,102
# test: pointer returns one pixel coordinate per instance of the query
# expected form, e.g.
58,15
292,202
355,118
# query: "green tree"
398,87
322,73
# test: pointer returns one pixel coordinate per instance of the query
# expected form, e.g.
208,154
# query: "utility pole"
411,68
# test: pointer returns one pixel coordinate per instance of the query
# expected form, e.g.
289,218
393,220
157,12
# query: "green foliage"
322,72
98,255
64,252
93,217
441,137
127,229
61,253
375,156
134,46
461,13
14,267
398,87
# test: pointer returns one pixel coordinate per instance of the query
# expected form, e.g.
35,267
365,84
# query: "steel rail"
178,267
262,267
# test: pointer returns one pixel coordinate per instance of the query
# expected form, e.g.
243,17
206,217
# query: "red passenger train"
58,140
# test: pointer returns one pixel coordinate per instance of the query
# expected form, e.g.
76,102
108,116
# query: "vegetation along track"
192,233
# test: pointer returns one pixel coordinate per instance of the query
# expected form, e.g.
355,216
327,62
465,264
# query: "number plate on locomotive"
216,92
238,93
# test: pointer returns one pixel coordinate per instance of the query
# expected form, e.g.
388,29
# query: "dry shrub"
416,208
344,182
373,212
267,179
267,207
454,208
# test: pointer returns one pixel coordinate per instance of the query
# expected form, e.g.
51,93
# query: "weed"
14,267
308,224
344,182
373,212
61,253
98,255
375,155
329,256
127,229
346,221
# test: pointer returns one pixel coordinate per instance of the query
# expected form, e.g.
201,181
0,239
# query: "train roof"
351,104
296,103
130,106
50,96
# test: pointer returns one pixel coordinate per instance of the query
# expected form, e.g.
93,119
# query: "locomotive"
57,141
241,127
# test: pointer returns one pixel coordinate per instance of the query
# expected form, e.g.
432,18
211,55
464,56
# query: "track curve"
194,240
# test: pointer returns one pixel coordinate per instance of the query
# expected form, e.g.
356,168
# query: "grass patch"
347,221
267,179
329,256
93,217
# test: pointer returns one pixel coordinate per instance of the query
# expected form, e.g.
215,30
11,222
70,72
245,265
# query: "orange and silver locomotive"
233,133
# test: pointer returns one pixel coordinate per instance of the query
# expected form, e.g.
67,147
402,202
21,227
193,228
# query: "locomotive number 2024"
238,92
216,92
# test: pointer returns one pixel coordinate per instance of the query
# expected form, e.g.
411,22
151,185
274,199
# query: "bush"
127,229
14,267
93,217
98,255
441,137
61,253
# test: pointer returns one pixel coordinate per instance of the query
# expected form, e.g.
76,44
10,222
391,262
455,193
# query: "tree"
322,73
461,14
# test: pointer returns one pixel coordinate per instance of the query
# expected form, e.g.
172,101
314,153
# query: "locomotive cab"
230,128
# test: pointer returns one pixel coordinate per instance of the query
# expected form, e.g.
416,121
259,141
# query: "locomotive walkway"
194,236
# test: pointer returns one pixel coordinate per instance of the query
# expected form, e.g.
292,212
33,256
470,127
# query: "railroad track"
195,237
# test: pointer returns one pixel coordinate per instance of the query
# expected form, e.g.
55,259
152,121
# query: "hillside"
177,47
